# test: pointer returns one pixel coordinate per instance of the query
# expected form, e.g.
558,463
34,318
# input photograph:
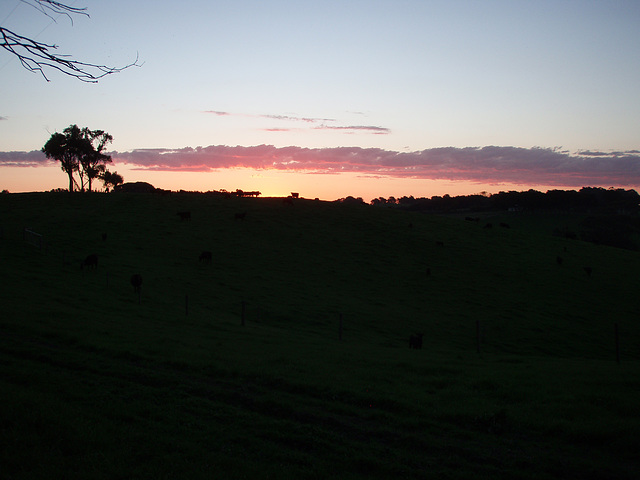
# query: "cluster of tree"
352,200
594,199
81,151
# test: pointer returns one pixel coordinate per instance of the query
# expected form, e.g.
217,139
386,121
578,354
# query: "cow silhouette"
136,281
90,262
415,341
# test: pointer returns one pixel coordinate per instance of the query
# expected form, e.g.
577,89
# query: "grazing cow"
136,281
415,341
205,257
184,216
240,216
295,195
559,260
588,271
90,262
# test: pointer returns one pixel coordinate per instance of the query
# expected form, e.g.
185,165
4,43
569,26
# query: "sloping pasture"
319,381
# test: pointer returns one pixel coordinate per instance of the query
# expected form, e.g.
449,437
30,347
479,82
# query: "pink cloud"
293,118
356,128
34,158
482,164
490,164
319,123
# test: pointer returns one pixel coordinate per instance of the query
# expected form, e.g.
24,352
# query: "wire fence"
479,336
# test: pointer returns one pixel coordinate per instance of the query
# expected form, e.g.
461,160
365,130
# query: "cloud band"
490,164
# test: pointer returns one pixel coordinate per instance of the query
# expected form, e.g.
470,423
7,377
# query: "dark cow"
90,262
295,195
184,216
205,256
240,216
415,341
136,281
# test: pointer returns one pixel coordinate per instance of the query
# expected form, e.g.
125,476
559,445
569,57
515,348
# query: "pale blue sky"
402,76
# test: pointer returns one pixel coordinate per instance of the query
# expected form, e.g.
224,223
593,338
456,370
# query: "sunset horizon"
415,99
334,173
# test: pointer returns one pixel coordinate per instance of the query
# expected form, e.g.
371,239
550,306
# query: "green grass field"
96,382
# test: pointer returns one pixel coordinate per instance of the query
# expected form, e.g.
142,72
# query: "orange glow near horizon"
270,182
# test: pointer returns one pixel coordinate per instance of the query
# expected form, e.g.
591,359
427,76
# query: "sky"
336,98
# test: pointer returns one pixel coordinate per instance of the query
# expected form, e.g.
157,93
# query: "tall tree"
79,150
66,148
93,160
36,56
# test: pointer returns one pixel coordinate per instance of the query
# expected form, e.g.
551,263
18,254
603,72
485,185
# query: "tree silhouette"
36,56
65,148
79,150
92,160
111,180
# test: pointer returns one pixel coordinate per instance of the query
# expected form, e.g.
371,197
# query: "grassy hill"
96,382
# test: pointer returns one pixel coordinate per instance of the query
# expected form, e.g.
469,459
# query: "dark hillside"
99,382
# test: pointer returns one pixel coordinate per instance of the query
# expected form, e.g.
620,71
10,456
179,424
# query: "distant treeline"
587,199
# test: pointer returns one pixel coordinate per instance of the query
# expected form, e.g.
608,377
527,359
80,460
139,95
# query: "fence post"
617,343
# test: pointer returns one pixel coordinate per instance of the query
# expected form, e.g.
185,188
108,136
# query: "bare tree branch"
56,7
36,56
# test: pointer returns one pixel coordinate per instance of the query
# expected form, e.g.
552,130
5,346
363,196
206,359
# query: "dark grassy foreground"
94,384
